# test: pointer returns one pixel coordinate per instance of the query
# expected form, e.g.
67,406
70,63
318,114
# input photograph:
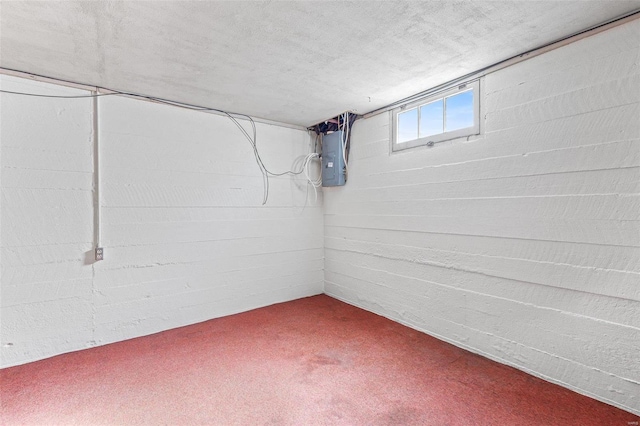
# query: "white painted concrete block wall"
521,244
46,209
185,236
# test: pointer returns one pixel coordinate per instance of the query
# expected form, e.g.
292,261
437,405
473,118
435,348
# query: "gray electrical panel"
333,170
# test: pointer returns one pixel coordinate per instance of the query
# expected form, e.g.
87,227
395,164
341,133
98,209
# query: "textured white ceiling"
294,62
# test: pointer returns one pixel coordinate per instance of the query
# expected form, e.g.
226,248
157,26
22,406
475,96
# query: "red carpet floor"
311,361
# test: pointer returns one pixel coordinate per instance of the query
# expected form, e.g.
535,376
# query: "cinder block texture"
521,244
185,236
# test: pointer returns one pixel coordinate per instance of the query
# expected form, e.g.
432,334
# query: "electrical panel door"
333,169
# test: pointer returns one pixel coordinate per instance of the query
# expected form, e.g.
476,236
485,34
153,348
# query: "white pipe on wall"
147,98
509,62
97,231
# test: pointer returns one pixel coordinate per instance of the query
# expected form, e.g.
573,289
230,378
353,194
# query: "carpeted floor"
311,361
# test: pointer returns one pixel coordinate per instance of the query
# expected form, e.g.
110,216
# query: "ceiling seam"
141,97
467,78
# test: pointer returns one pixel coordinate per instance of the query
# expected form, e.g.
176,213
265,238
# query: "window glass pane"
459,111
408,125
431,118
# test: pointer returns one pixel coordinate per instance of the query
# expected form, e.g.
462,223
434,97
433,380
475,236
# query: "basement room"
320,212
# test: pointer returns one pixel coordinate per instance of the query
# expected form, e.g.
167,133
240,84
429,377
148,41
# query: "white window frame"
441,137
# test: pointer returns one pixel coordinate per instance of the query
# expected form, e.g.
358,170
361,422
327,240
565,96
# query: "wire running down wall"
521,244
186,238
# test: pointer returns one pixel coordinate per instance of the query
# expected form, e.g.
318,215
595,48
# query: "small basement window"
448,115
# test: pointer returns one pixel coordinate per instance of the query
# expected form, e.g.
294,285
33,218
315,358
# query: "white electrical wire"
250,135
344,139
317,182
251,138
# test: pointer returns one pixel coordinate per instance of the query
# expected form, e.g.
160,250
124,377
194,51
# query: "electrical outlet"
99,253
